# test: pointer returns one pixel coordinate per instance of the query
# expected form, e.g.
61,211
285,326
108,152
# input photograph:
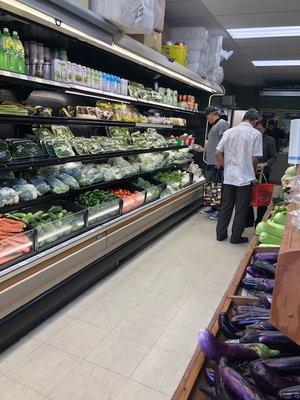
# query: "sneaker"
207,211
239,240
215,216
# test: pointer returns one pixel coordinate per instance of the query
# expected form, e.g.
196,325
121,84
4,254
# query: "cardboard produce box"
152,40
84,3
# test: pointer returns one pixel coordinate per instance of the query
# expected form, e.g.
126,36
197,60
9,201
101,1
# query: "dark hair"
211,110
251,115
262,122
272,122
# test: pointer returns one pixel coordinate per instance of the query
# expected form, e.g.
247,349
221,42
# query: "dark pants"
238,197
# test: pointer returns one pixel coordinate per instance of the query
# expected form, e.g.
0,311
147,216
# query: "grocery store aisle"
132,335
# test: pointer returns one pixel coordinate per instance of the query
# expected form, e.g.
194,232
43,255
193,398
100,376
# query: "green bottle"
8,50
1,52
19,54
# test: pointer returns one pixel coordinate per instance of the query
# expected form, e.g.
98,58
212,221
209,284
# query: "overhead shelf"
80,90
45,161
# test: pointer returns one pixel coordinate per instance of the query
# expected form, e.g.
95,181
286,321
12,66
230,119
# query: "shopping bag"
213,189
262,192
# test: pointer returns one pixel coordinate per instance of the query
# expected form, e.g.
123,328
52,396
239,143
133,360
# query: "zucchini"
267,238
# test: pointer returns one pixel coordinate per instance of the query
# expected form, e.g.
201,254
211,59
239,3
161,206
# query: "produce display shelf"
40,83
45,161
70,193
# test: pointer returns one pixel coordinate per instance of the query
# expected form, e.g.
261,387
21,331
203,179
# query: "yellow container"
177,52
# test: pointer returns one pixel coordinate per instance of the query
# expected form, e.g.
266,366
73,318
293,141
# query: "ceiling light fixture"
28,12
255,33
276,63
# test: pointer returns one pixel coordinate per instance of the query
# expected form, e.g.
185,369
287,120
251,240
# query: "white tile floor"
132,335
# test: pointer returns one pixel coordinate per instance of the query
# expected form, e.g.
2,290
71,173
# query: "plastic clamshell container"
16,248
61,229
153,193
104,212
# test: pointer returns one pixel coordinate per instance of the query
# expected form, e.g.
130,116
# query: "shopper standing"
219,126
238,151
275,132
264,165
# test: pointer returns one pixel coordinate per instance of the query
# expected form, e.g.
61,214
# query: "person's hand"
199,149
261,166
218,165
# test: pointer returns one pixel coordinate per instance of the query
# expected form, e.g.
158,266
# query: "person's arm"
219,159
272,153
257,150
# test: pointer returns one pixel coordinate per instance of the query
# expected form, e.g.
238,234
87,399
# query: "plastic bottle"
118,85
1,52
19,54
100,81
8,50
124,87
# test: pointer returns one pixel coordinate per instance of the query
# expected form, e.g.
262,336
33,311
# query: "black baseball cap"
211,110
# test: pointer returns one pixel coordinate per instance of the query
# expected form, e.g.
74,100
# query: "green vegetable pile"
271,232
51,225
170,177
153,192
40,217
95,197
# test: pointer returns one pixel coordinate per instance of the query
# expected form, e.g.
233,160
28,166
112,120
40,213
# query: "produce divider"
188,388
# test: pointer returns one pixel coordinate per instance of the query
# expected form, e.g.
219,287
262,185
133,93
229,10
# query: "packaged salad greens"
62,132
62,148
8,196
56,185
5,155
68,180
26,192
24,148
43,132
80,146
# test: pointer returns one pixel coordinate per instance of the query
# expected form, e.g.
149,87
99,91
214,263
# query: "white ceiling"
219,15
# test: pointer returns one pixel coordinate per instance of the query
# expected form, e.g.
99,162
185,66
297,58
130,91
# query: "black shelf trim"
70,193
45,161
31,120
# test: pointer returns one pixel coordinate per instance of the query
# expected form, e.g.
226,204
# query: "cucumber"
55,209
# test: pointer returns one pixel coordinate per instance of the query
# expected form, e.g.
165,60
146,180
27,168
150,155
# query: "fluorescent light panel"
276,63
275,31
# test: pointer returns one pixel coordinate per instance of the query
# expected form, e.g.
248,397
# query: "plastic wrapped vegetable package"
56,185
68,180
71,168
8,196
40,185
26,192
150,161
5,155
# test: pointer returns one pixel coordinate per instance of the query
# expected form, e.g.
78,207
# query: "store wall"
285,103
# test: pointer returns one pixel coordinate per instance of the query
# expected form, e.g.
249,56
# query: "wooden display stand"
285,311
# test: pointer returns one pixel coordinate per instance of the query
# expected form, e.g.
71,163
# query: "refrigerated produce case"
68,244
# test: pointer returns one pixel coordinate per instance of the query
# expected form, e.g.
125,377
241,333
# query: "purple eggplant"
209,391
256,273
209,375
267,379
239,386
240,310
226,327
285,365
262,284
221,392
276,338
263,326
216,349
290,393
266,267
270,257
264,299
244,320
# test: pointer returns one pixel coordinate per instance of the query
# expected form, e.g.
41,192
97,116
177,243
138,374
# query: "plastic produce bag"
40,185
134,16
56,185
72,168
26,192
68,180
51,170
8,196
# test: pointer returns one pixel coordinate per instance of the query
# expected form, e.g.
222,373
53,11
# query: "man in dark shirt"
275,132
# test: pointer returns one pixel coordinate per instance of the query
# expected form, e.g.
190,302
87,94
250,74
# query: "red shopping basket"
262,194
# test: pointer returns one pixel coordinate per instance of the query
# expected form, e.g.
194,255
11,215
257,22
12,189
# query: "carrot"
12,221
6,259
10,228
21,239
26,250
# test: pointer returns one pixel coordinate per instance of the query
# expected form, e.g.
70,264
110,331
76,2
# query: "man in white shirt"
238,151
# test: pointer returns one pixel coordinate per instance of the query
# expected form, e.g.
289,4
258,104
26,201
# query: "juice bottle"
1,52
8,50
19,54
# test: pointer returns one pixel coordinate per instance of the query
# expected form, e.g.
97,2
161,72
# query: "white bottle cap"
5,30
15,33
